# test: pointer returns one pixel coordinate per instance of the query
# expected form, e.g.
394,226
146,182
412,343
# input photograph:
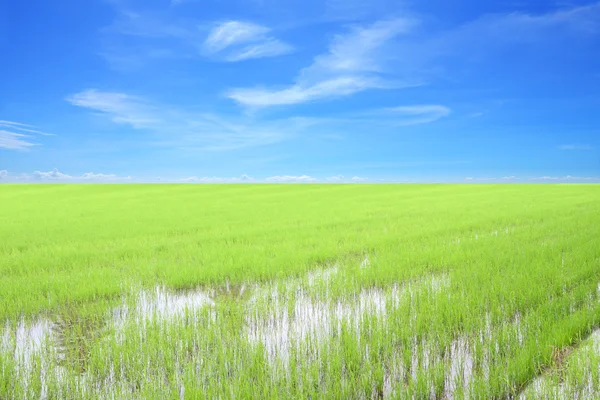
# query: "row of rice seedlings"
328,348
574,374
506,303
83,253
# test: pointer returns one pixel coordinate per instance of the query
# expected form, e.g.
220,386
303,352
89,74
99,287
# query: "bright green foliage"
416,291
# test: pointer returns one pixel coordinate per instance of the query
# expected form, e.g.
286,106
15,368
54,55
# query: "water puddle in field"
291,316
297,317
26,346
298,313
161,304
26,341
584,387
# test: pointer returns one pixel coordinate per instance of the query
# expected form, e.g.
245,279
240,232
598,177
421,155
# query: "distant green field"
297,291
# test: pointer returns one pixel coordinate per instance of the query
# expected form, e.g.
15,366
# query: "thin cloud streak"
230,33
176,127
354,63
418,114
268,48
13,138
256,38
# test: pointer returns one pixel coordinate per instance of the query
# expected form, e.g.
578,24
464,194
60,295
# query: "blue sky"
300,90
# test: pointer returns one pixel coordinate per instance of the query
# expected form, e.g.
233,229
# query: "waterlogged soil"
296,316
555,381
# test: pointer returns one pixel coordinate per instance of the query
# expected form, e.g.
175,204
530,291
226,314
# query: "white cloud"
56,176
13,123
391,116
363,49
567,178
244,178
14,141
268,48
90,176
574,147
483,179
366,57
3,174
336,87
291,179
359,179
583,19
119,107
233,32
259,44
484,36
336,178
418,114
353,64
22,127
192,130
18,136
546,178
190,179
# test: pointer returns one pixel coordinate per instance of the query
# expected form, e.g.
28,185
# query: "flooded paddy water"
294,331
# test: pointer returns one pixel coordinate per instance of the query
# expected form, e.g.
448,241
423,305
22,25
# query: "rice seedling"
299,291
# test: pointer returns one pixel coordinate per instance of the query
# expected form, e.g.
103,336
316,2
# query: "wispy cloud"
267,48
239,40
230,33
359,179
335,87
390,116
119,107
355,62
574,147
485,35
582,19
22,127
147,25
179,127
417,114
14,141
18,136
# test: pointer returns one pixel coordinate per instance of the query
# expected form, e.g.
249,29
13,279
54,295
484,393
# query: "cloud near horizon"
55,175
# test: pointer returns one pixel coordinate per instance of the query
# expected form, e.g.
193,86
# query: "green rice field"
299,291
